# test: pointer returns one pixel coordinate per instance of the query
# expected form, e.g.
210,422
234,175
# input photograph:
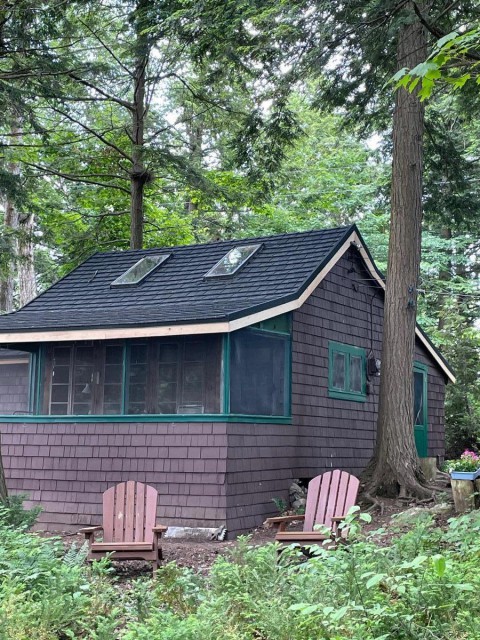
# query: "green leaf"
443,41
399,75
374,580
439,564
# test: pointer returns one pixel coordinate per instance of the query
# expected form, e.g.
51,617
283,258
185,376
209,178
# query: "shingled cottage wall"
326,432
210,473
66,468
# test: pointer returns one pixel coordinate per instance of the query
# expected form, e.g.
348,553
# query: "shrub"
13,514
47,594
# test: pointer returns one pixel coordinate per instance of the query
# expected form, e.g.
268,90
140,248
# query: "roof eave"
233,321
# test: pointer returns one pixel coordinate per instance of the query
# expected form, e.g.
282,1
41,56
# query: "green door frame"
421,428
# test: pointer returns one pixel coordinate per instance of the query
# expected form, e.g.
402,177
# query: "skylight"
233,260
140,270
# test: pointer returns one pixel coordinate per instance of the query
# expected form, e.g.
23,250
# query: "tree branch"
94,133
73,178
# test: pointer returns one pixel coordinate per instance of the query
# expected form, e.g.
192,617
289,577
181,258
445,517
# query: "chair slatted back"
331,494
129,512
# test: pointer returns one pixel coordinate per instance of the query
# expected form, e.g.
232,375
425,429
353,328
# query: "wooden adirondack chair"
329,497
129,530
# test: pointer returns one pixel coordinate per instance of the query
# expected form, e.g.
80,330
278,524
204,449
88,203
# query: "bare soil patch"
199,555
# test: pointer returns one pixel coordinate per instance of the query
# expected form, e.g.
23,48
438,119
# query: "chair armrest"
89,533
280,522
90,530
159,528
337,518
286,519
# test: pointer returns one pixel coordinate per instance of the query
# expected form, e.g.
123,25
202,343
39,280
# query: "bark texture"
395,466
27,284
7,282
139,176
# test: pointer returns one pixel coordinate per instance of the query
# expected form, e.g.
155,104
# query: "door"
420,409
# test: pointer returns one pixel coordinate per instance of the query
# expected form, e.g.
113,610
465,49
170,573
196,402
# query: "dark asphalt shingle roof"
177,291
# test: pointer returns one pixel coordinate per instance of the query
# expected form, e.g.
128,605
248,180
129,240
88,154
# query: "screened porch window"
171,376
259,373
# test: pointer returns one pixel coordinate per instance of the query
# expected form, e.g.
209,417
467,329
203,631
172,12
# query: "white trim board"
219,327
14,361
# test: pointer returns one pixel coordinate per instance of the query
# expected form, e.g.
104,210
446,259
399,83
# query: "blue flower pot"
465,475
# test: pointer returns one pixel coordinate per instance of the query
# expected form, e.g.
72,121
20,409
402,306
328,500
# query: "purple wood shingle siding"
212,473
326,432
66,468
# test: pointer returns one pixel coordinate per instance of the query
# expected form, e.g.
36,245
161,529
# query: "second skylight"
233,260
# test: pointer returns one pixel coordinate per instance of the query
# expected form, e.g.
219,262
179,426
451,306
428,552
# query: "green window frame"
352,385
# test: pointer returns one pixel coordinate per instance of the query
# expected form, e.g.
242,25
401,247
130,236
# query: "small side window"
346,372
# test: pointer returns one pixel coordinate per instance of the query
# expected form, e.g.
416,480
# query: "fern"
75,557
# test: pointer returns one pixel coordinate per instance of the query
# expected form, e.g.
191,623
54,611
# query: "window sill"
204,417
345,395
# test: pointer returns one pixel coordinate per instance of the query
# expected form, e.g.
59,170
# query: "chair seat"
121,546
300,536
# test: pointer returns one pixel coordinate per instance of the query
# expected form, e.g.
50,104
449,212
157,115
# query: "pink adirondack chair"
329,497
129,529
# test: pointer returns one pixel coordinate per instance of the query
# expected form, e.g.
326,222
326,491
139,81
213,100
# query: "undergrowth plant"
420,585
13,513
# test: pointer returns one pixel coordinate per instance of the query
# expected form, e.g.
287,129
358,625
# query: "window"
140,270
84,379
346,372
259,373
233,261
174,376
156,376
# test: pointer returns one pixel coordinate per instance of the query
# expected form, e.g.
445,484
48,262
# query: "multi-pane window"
259,373
346,372
155,376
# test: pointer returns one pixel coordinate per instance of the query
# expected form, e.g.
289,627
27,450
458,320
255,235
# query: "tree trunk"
27,285
138,176
7,283
445,275
395,466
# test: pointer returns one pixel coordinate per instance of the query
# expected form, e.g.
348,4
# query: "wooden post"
463,495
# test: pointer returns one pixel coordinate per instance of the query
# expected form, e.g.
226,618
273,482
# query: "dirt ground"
199,555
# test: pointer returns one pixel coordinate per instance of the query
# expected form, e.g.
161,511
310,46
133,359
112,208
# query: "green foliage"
52,593
453,62
13,514
421,585
280,504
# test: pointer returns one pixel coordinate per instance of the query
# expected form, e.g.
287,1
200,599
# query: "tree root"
375,504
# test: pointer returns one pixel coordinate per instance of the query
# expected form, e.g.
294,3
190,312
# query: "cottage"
215,372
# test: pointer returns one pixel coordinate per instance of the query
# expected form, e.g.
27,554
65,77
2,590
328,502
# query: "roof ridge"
220,242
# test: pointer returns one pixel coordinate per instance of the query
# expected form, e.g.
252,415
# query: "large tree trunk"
138,176
7,280
27,285
395,467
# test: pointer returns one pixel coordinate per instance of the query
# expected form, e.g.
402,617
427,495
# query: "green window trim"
349,352
279,327
150,417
